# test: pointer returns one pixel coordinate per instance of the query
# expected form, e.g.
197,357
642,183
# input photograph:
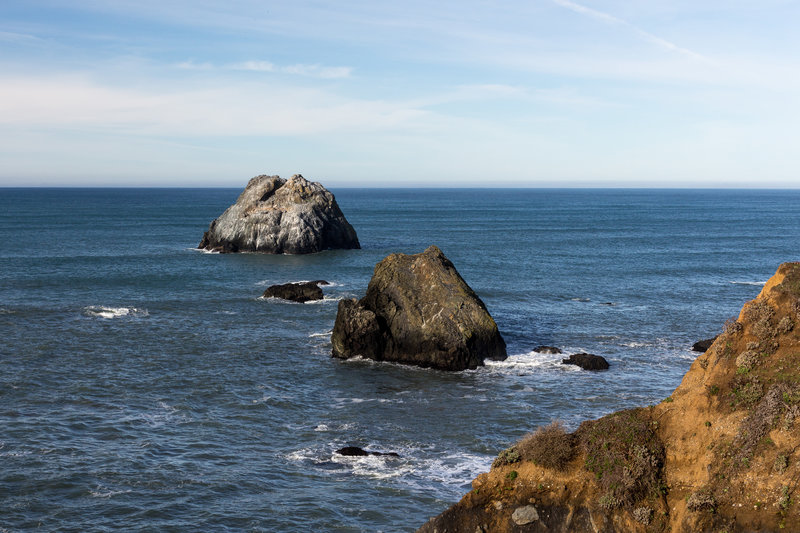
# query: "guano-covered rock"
277,216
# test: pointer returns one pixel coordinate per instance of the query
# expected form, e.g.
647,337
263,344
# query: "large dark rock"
355,451
418,311
587,361
301,292
276,216
704,345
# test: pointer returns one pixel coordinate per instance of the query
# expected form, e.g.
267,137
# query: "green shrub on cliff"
625,455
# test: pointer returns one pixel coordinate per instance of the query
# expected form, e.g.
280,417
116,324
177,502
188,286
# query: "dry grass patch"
549,446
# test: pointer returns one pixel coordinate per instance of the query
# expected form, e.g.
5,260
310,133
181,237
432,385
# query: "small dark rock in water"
355,451
547,349
297,292
703,346
587,361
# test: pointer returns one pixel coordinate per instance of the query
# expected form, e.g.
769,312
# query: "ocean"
146,386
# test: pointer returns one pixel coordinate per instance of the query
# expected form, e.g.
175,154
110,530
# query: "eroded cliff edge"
722,453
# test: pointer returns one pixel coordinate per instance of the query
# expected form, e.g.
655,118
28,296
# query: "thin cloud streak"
246,109
605,17
299,69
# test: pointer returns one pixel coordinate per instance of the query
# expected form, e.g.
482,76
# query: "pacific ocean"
144,385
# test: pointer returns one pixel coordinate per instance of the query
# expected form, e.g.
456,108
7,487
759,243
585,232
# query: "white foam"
324,334
531,361
269,282
415,466
4,311
580,299
338,403
101,311
635,344
102,492
325,300
756,283
203,250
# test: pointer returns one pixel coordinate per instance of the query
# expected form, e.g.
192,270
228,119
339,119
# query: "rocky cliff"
722,453
419,311
278,216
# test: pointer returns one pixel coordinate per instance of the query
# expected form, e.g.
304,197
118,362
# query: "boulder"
586,361
304,291
547,349
278,216
418,311
525,515
704,345
355,451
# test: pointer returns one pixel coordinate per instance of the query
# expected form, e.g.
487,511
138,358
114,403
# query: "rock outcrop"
722,453
418,311
552,350
586,361
300,292
355,451
276,216
704,345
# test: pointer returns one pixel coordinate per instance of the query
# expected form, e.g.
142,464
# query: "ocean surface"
146,386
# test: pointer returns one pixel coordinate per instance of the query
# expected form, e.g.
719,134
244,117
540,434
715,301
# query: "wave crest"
102,311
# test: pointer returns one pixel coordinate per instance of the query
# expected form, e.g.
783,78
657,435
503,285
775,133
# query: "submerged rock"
586,361
704,345
276,216
547,349
355,451
304,291
418,311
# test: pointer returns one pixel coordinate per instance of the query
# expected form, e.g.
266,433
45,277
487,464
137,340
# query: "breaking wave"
101,311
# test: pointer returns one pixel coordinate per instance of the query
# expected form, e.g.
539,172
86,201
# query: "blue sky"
367,93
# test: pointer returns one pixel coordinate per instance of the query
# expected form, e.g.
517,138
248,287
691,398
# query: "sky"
468,93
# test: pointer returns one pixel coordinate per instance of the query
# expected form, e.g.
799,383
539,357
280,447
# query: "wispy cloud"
12,37
255,66
318,71
611,19
298,69
191,65
211,109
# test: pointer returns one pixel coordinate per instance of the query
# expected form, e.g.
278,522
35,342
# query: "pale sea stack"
278,216
418,311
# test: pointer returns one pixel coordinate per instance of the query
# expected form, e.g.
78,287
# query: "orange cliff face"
721,454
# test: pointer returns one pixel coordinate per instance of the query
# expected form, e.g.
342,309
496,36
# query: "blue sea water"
145,386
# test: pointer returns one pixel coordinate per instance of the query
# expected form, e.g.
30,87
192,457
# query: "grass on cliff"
626,456
549,446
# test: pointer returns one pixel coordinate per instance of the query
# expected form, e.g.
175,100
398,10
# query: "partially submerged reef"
277,216
722,453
